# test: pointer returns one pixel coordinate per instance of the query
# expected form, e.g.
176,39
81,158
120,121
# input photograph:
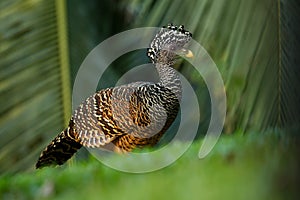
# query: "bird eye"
172,48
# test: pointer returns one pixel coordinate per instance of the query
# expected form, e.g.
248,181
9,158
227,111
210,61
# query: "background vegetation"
239,167
255,45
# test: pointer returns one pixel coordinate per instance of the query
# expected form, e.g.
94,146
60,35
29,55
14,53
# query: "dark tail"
60,149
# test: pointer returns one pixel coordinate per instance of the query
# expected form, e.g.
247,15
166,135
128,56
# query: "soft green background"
255,45
257,166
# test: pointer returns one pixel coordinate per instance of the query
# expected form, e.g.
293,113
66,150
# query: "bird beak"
189,54
186,53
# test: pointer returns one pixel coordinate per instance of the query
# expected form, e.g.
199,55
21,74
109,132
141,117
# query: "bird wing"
108,114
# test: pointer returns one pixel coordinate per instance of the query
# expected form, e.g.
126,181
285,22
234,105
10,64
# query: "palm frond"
245,39
254,44
31,84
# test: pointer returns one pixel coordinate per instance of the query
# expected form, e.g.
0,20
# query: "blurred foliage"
31,110
245,39
254,166
254,44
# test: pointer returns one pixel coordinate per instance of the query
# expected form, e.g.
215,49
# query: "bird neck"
169,78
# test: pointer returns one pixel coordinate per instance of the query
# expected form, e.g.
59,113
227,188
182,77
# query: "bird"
126,117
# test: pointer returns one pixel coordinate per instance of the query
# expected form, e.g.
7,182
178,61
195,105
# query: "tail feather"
59,150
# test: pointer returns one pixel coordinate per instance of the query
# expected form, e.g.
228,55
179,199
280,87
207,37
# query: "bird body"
129,116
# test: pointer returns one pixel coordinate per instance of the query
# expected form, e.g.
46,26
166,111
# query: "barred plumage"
128,116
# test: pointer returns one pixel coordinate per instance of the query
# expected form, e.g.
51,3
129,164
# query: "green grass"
251,166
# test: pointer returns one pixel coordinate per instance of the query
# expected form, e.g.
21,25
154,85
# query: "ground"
241,166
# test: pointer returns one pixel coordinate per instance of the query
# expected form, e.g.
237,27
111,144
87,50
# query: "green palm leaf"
33,80
253,43
250,43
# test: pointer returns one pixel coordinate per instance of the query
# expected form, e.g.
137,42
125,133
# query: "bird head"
168,44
